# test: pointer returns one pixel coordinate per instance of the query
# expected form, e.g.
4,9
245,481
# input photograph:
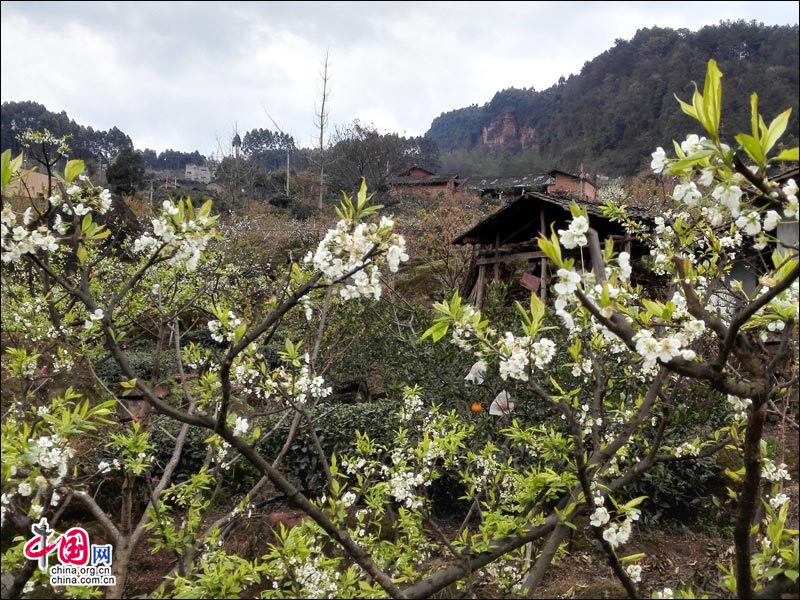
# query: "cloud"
182,75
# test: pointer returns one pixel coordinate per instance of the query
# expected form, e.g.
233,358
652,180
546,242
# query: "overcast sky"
180,75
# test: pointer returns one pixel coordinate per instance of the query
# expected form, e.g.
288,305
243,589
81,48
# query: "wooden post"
480,287
543,232
543,286
496,272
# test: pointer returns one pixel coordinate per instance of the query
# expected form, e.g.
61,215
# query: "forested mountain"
613,114
85,143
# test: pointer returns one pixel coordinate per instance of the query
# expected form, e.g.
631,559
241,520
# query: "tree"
615,389
362,151
321,123
238,171
126,173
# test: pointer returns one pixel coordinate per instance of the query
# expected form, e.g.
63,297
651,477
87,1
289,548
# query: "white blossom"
624,262
778,500
659,162
729,196
575,235
750,222
692,144
599,517
634,572
687,193
568,282
771,220
706,177
241,426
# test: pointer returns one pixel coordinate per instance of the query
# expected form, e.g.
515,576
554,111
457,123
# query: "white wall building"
199,173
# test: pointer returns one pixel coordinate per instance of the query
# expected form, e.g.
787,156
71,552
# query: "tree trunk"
749,499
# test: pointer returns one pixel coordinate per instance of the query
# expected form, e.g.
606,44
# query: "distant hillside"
85,143
621,106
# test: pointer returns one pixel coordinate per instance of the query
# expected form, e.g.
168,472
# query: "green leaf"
754,114
101,233
552,249
436,331
776,129
678,150
635,502
699,109
82,254
362,193
5,160
788,154
696,158
205,209
752,146
687,108
655,309
632,557
73,169
537,310
712,98
128,384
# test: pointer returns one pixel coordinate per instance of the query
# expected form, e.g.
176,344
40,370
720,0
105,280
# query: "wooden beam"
490,260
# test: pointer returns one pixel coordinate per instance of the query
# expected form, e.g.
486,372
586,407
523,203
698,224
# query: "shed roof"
519,211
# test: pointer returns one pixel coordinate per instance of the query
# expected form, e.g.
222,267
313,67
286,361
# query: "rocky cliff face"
504,130
621,105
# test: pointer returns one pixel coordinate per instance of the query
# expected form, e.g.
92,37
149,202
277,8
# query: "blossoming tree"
631,354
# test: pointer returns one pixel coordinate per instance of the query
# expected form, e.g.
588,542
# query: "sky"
182,75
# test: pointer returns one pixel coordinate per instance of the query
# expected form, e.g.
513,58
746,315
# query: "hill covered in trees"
621,105
86,143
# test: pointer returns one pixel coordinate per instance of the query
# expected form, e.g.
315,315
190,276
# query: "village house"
417,181
32,185
200,173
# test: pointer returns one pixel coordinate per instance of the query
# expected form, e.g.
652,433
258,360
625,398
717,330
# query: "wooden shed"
510,233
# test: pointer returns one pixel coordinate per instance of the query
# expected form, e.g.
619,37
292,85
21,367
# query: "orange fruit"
476,407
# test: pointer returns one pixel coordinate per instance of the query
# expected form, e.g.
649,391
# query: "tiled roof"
521,182
428,180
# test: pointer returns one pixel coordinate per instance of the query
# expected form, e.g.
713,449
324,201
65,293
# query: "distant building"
32,185
199,173
418,181
555,182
